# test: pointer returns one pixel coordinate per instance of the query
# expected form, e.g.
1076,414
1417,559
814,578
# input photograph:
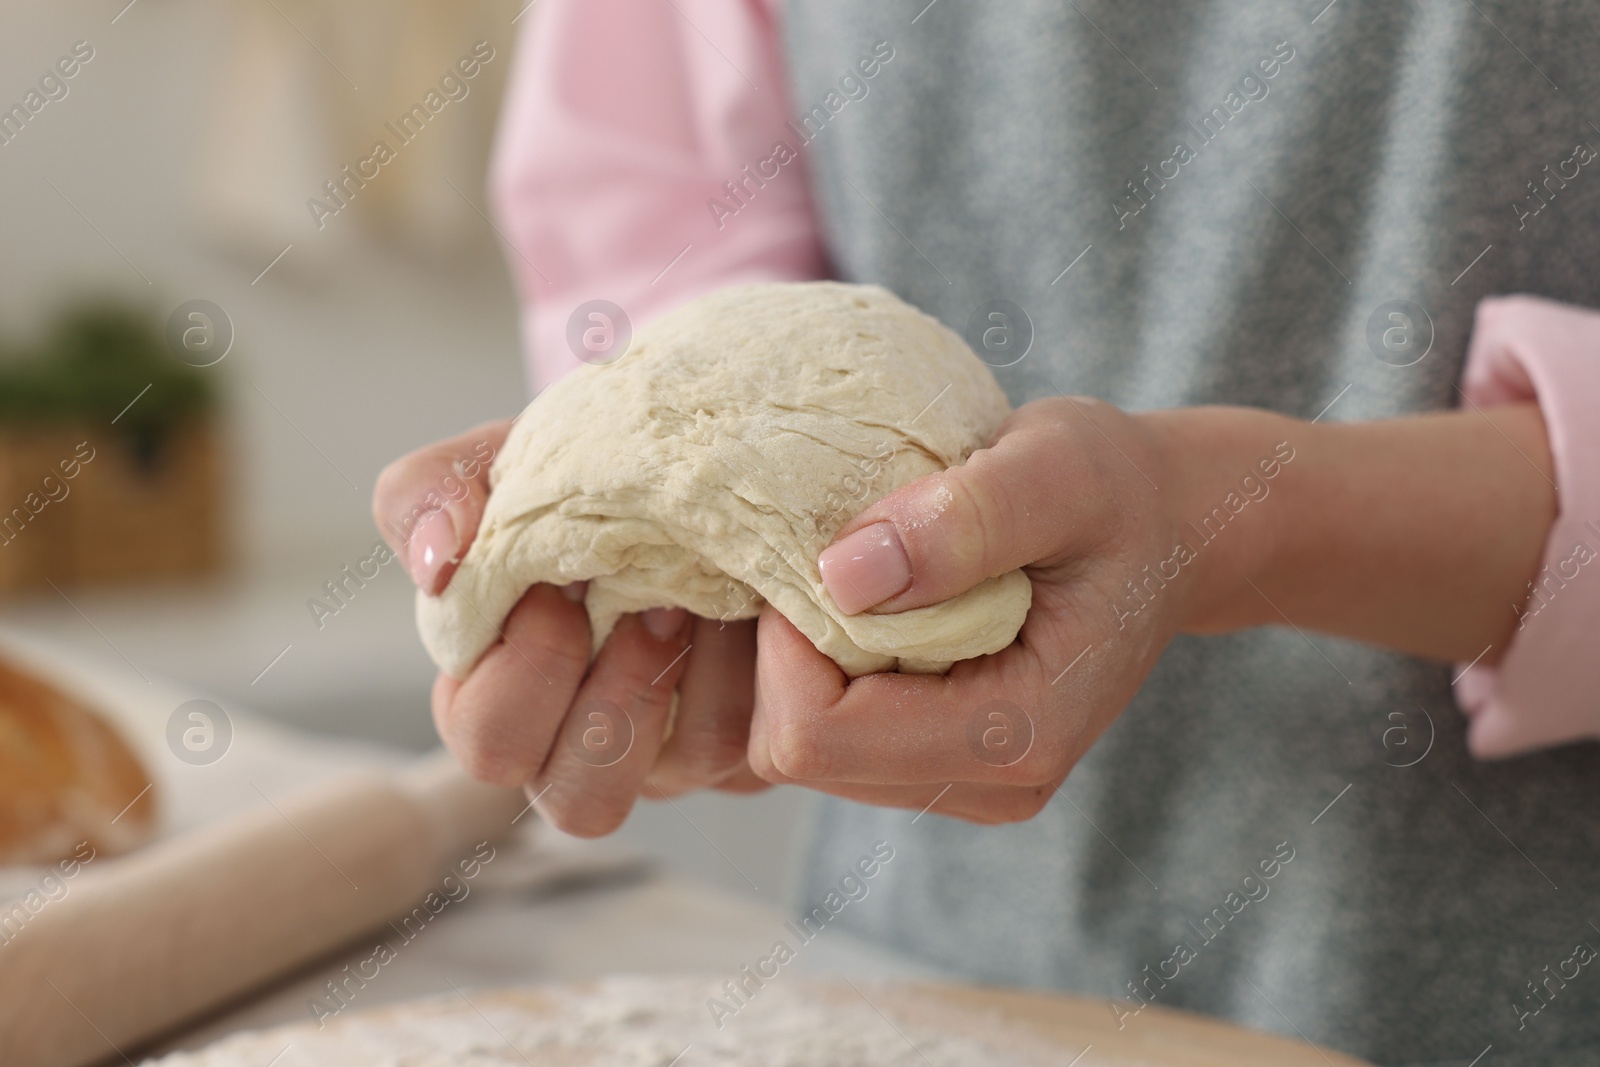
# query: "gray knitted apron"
1282,204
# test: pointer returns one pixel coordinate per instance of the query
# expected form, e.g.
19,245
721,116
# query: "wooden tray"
636,1020
1157,1036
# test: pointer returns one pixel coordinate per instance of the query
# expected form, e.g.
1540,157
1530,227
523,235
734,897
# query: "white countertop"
502,935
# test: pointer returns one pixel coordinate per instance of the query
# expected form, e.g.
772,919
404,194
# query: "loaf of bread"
66,776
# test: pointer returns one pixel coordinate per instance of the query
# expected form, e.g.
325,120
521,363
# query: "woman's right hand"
528,712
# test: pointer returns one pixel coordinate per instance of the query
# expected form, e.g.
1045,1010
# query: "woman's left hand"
1134,528
1067,490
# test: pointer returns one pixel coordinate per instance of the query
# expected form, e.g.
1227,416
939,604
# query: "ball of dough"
708,467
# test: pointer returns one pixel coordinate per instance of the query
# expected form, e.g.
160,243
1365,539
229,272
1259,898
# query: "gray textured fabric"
1386,155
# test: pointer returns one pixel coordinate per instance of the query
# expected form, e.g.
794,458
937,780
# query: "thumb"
1008,506
428,504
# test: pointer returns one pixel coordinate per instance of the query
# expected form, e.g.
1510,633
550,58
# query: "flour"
649,1022
934,506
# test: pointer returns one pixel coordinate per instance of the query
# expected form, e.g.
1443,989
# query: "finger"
743,780
611,737
715,696
987,805
501,720
428,504
982,722
444,692
943,534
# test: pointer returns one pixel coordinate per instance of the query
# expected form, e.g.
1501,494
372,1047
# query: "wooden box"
82,506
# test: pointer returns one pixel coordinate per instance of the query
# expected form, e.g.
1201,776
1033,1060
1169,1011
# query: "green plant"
96,355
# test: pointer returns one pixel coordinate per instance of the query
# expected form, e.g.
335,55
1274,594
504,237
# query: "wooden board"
638,1020
1155,1036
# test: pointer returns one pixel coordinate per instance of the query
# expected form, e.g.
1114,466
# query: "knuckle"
742,780
387,489
1010,806
760,759
635,677
665,782
468,729
637,670
1055,415
585,816
558,657
562,652
797,752
1032,802
1041,768
488,762
486,758
977,508
392,474
707,754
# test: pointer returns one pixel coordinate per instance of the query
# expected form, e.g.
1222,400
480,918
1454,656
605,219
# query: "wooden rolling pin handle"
160,936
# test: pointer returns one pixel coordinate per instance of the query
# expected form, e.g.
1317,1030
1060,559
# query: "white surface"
661,925
652,1021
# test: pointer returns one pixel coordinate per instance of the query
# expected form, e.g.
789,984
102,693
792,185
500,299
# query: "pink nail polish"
432,548
866,568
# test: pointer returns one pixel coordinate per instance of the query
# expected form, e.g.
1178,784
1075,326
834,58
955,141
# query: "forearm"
1418,534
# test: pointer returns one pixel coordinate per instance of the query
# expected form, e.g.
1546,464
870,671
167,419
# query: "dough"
708,467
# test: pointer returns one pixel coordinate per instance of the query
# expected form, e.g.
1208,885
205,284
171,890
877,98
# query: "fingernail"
574,591
866,568
432,549
662,622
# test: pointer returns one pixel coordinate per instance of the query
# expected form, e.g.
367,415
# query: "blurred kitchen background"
176,168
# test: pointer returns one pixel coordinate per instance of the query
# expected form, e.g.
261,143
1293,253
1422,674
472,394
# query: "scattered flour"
934,506
647,1022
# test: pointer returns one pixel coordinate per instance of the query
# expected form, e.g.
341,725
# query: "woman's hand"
1068,490
1420,534
529,710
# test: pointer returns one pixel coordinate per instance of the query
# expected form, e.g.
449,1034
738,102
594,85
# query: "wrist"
1226,474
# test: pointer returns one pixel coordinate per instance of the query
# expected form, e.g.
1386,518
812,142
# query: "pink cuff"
638,162
1546,689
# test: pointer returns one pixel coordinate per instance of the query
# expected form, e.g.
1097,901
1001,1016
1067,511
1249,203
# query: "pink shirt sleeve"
1546,689
623,125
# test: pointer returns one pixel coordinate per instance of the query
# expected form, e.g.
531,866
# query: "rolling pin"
194,921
